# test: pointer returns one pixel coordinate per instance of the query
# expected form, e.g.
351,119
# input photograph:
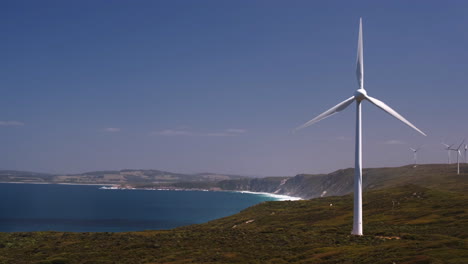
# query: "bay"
87,208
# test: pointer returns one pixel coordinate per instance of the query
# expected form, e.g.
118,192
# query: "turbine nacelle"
360,94
456,149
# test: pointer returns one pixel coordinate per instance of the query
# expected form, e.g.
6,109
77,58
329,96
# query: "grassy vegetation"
405,224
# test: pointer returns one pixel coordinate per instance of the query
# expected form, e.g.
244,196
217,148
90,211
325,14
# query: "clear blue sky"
195,86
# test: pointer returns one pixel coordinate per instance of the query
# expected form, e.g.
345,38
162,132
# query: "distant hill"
24,176
306,186
122,177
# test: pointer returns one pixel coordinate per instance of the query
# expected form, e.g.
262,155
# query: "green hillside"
405,224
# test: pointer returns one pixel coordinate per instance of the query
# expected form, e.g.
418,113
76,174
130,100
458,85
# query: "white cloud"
171,132
394,142
226,133
236,130
112,129
11,123
219,134
230,132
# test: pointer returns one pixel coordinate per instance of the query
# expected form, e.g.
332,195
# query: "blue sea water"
80,208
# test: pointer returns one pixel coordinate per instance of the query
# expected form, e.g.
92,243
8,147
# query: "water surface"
79,208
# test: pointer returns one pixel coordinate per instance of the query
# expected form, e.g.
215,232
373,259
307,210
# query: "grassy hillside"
411,215
406,224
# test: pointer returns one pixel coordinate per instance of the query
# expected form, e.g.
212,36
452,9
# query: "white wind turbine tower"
458,155
415,155
447,147
359,96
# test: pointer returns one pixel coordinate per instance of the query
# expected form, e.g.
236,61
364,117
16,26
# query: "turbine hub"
360,94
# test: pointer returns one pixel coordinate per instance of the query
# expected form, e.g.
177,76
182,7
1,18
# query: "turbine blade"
392,112
360,58
337,108
446,145
461,144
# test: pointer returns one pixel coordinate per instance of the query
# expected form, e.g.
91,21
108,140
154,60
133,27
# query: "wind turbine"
359,95
458,155
466,148
415,155
447,147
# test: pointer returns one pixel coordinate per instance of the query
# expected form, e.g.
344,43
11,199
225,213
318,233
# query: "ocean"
89,208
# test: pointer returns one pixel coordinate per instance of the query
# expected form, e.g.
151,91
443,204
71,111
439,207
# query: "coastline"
110,186
279,197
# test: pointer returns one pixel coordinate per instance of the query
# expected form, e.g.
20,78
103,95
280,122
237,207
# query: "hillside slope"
340,182
406,224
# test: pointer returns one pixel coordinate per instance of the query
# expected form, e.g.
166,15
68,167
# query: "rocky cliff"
341,182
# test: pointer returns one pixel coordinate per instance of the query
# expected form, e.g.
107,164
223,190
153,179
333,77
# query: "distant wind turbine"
447,147
458,155
466,148
415,155
359,96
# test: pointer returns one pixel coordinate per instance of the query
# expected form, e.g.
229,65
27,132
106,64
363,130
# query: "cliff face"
270,184
341,182
302,185
311,186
